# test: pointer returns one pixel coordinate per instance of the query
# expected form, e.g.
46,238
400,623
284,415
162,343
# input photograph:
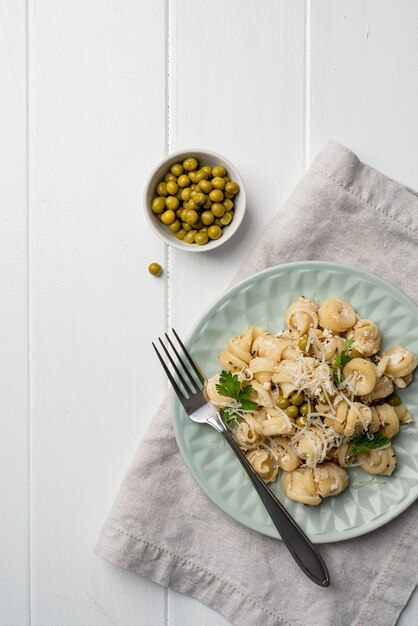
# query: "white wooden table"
93,93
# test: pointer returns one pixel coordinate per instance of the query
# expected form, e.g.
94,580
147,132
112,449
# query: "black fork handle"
298,544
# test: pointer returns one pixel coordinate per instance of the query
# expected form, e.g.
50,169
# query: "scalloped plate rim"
179,415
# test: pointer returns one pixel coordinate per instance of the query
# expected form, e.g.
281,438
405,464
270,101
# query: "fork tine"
186,369
189,390
194,365
175,386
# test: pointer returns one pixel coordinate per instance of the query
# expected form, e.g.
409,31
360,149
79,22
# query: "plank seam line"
307,84
167,147
193,565
28,312
167,254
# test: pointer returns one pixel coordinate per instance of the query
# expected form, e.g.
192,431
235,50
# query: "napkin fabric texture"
164,527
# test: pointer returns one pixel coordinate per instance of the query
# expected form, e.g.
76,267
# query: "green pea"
283,403
183,181
394,400
301,422
186,194
189,237
207,169
218,209
207,204
172,188
297,399
304,408
155,269
170,177
355,354
172,203
228,204
177,169
227,179
201,238
214,232
201,175
161,189
292,411
216,195
218,182
229,196
168,217
226,219
205,186
190,164
181,233
204,229
302,343
218,222
175,226
218,170
158,205
191,217
191,205
207,218
192,176
199,199
232,188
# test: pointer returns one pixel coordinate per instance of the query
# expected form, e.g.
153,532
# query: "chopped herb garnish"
365,443
230,387
340,361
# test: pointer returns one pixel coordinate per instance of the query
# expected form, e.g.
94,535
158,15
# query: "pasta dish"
315,399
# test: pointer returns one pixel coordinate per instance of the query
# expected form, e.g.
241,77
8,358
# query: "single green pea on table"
195,202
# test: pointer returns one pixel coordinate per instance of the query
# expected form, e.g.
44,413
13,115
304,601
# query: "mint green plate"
261,300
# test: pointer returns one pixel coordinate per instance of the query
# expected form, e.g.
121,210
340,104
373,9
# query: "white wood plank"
98,118
236,72
364,81
14,483
363,93
242,96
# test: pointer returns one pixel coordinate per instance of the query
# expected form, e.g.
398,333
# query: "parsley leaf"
229,417
230,387
340,360
362,443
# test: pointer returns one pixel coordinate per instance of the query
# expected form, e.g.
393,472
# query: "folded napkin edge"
169,569
390,198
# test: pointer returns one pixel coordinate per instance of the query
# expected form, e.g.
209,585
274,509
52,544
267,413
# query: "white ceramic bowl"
207,158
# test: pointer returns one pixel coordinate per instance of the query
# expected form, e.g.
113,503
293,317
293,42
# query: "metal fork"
189,391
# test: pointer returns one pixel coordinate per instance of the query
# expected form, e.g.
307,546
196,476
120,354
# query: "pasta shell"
245,436
277,423
361,376
388,419
366,337
331,479
262,368
288,460
401,361
337,315
300,486
263,464
378,461
301,316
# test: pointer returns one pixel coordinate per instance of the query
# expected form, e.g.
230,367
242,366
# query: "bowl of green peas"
195,200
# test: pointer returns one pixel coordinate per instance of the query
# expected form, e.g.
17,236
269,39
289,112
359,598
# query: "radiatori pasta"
314,399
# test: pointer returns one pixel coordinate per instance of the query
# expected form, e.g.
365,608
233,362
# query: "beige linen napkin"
163,526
